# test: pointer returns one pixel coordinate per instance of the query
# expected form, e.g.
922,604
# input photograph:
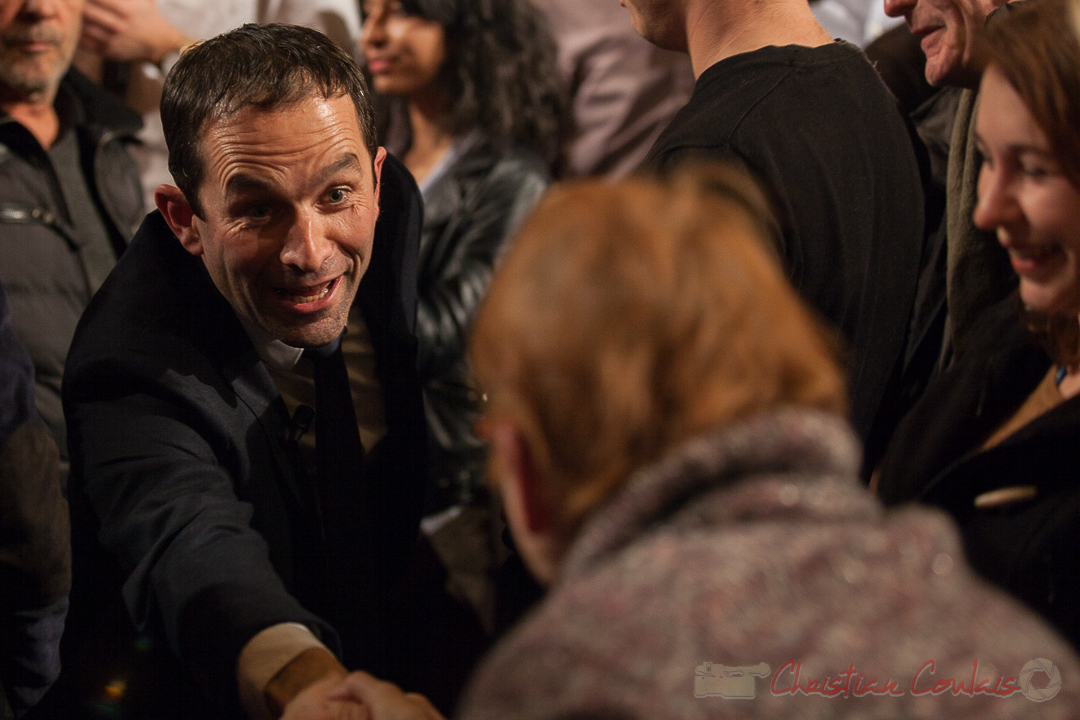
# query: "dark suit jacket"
1028,547
184,467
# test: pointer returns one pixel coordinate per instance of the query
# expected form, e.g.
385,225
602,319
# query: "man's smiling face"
947,30
289,203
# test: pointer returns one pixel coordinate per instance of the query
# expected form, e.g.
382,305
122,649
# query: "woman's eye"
1034,171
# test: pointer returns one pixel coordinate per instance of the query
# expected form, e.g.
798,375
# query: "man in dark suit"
190,495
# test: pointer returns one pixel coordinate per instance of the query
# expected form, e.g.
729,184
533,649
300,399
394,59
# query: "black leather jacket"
470,212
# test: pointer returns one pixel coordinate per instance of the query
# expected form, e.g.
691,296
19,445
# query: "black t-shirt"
818,128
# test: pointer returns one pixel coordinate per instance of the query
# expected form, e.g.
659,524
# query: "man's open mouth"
310,294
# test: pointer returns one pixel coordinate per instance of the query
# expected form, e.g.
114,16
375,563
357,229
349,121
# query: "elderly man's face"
947,30
290,204
37,42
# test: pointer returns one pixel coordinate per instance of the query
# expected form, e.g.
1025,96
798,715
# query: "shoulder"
486,178
520,176
998,369
1000,354
157,310
827,88
703,127
100,108
486,163
753,99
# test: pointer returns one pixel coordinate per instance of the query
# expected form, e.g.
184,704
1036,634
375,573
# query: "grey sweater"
756,547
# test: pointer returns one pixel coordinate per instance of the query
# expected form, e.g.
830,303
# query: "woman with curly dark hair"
476,114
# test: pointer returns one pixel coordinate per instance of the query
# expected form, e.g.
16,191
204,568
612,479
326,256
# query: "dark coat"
1028,547
185,470
469,216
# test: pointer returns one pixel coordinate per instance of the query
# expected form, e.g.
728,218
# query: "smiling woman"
996,441
1029,198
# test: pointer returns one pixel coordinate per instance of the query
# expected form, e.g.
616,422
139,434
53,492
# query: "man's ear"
517,465
178,214
380,155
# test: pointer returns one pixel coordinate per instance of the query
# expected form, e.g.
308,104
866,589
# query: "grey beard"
21,84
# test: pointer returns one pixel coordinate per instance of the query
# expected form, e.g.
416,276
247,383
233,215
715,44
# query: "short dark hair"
268,67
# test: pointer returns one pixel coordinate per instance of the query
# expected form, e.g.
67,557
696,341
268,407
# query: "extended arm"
163,461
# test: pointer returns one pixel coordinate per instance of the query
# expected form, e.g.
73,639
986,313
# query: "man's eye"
337,195
258,212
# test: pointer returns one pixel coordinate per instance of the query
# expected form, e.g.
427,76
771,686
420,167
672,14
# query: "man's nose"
38,8
900,8
306,246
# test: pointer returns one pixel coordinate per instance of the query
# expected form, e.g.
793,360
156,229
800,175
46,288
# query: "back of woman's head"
1035,47
629,317
501,71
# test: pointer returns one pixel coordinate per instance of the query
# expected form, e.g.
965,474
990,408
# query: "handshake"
358,696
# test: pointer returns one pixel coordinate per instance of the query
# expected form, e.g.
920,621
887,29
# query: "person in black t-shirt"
809,117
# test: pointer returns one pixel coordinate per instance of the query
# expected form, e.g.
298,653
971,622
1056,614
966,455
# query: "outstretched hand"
321,701
126,30
384,700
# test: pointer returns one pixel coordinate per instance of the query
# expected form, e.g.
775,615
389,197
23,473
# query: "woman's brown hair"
630,317
1036,49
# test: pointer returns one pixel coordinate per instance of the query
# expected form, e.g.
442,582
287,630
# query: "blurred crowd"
407,359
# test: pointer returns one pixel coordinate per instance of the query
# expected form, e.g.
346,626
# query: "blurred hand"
129,30
323,701
384,700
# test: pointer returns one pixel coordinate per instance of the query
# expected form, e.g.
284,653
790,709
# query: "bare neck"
716,31
36,114
429,141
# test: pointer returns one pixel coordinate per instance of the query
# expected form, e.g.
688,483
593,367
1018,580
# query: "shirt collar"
69,112
271,351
